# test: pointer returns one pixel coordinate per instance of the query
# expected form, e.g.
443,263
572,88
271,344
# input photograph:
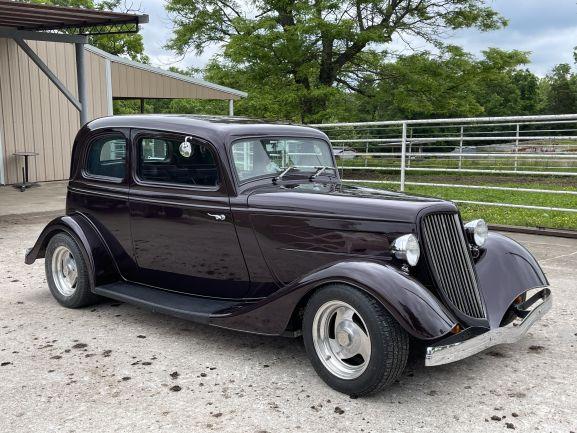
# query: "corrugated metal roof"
29,16
185,78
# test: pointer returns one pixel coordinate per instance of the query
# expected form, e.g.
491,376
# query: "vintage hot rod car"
248,226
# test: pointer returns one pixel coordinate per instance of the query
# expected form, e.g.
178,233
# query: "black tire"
389,342
82,296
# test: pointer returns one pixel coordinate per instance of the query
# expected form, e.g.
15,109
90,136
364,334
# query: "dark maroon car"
247,226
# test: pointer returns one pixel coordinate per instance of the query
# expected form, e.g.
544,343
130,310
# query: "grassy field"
469,162
493,214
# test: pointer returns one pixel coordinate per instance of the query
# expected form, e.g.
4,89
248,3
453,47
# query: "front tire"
354,344
67,273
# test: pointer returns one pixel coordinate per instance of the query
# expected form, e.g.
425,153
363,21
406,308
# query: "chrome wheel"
341,339
64,271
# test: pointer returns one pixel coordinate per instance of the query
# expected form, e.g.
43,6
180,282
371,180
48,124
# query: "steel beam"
108,80
82,88
12,33
2,180
51,76
403,156
455,121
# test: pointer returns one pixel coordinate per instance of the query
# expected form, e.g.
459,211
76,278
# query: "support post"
461,149
231,107
108,80
367,154
82,88
403,155
410,146
2,180
516,146
141,105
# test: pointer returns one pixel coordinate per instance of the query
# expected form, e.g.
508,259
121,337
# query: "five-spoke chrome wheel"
67,273
341,339
64,271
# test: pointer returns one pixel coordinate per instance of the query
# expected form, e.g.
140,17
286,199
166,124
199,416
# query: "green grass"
523,164
502,215
506,180
492,214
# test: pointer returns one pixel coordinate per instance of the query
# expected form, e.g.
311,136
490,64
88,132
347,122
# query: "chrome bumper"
471,341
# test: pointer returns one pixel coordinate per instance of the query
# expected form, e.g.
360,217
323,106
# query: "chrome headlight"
477,231
407,248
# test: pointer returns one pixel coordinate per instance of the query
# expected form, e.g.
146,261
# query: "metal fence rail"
516,147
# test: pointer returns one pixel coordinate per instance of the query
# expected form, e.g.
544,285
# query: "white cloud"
158,31
548,29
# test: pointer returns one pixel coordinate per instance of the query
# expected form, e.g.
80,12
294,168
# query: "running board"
186,307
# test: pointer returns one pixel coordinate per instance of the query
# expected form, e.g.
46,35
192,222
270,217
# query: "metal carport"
26,21
49,74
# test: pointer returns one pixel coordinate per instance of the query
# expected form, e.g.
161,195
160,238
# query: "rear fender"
410,303
506,270
102,268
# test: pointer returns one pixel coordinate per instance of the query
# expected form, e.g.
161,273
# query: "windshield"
257,157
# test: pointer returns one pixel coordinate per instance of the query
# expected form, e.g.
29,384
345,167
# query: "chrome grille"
450,262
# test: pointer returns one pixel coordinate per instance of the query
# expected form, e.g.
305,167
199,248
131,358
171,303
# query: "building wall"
35,115
133,82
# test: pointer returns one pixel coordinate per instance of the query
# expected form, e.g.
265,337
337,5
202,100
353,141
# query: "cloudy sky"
546,28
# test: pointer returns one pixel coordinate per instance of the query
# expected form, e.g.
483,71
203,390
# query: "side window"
171,161
107,157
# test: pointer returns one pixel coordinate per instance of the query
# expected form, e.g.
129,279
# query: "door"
98,189
182,229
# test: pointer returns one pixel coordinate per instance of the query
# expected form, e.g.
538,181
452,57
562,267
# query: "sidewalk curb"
572,234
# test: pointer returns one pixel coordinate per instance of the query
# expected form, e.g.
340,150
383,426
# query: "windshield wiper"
320,170
285,171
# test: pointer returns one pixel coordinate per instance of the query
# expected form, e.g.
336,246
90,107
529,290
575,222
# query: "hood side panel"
293,246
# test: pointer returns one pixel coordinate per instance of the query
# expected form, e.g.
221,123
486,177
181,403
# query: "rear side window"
107,157
177,161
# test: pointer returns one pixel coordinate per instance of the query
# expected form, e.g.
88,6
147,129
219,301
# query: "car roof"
217,129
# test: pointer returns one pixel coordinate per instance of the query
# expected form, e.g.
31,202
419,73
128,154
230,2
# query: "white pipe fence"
514,147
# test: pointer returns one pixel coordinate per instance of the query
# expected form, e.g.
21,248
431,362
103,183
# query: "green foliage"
561,85
500,83
127,44
305,58
503,215
419,85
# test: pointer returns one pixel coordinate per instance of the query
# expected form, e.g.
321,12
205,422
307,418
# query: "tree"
125,44
502,89
311,47
561,88
451,83
422,86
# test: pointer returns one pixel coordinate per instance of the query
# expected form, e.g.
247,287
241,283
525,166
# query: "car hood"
343,201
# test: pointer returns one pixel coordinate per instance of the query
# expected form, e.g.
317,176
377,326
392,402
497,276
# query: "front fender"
102,268
506,270
410,303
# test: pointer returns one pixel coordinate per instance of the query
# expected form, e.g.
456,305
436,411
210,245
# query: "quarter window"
176,161
107,157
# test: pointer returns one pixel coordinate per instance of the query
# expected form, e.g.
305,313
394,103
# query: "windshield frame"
240,182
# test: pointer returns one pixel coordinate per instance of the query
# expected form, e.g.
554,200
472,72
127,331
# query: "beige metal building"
40,101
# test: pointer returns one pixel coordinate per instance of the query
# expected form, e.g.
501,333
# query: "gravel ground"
119,368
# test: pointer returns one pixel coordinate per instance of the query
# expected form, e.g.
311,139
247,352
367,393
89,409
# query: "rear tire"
353,342
67,273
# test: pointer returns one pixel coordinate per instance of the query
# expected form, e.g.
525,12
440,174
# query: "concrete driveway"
115,367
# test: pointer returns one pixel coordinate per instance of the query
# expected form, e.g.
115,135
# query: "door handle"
218,217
